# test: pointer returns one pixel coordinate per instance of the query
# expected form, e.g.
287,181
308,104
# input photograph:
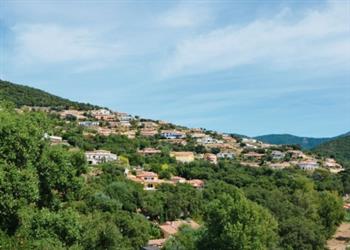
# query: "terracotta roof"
146,174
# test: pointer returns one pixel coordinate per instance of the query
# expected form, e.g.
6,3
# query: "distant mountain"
23,95
304,142
338,148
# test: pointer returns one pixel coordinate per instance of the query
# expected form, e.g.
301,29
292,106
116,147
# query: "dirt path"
341,238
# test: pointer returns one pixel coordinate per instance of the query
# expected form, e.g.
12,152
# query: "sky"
246,67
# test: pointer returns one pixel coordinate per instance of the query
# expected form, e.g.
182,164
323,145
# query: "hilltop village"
189,144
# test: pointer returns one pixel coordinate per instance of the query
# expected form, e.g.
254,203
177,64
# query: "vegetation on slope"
338,149
22,95
287,139
50,199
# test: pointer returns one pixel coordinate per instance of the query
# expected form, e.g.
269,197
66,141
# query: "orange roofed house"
149,180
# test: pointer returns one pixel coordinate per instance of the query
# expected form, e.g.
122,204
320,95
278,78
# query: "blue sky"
249,67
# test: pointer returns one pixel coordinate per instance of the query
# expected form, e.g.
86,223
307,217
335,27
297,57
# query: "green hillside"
23,95
338,148
304,142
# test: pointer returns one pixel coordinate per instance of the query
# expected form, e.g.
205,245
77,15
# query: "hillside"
304,142
338,148
23,95
108,180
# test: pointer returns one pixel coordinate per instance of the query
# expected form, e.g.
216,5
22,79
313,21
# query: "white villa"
308,165
100,156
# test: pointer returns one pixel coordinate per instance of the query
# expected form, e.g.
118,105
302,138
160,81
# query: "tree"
233,222
185,239
59,179
331,212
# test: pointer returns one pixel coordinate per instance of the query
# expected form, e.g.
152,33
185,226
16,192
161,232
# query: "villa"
308,165
226,155
149,180
277,155
89,123
100,156
172,134
196,183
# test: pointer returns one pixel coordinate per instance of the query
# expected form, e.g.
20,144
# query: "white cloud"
185,16
319,39
51,43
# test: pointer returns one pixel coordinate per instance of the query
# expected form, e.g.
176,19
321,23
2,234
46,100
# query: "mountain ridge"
304,141
22,95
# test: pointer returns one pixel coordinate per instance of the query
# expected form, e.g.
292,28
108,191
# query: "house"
124,116
184,157
55,139
100,156
226,155
249,140
172,134
277,155
75,114
331,163
253,156
100,112
296,154
107,118
149,180
146,132
89,124
149,151
206,140
250,146
198,135
196,183
178,179
105,131
170,228
211,158
229,139
333,166
308,165
156,244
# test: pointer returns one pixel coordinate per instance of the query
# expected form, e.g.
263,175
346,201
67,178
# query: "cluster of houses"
218,146
247,151
151,180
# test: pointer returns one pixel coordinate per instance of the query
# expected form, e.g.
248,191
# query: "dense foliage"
338,149
24,95
50,198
